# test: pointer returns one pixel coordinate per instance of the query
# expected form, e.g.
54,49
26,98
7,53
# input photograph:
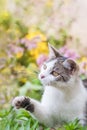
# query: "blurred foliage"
21,53
62,40
22,120
23,49
25,29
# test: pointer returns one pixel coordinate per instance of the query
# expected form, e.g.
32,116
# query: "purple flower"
41,59
14,49
29,44
69,53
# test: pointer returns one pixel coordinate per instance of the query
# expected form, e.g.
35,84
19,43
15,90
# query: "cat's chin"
58,84
45,83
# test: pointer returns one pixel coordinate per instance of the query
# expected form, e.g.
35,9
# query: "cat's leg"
33,106
23,102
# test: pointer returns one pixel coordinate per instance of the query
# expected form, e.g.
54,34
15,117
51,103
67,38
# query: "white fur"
48,78
65,104
18,98
61,101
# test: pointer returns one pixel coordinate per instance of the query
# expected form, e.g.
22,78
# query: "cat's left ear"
71,65
53,53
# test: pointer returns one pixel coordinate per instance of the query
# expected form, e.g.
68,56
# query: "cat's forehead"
55,61
51,63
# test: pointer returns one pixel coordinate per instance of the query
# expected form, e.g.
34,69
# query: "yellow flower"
19,68
84,59
34,53
5,14
23,80
6,70
40,42
36,34
41,48
19,55
49,3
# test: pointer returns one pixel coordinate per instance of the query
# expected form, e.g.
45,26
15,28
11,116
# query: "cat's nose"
42,76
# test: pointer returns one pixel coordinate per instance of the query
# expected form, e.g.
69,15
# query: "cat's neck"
75,88
70,91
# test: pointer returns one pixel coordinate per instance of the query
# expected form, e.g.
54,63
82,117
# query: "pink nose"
42,76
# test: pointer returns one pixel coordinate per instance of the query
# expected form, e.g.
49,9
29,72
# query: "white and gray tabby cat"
64,98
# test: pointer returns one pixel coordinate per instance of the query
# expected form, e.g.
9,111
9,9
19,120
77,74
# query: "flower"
36,35
35,41
23,80
29,44
19,55
15,50
41,59
83,65
49,3
70,53
41,48
5,14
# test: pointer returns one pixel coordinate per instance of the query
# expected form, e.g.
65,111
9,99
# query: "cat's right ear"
71,66
53,53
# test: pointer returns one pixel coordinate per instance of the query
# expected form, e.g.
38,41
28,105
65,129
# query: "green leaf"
35,125
28,125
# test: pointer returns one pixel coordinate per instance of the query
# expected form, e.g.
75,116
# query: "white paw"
23,102
17,102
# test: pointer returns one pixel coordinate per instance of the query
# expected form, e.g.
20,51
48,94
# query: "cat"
64,98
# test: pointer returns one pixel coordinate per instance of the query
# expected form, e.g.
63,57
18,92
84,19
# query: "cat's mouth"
42,76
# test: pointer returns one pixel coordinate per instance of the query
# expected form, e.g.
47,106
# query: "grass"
22,120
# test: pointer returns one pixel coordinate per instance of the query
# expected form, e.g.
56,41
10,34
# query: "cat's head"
58,70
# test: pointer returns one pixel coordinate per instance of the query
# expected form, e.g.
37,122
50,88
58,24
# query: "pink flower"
29,44
14,49
41,59
83,68
69,53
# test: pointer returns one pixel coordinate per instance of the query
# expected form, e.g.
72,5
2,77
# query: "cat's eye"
54,73
44,67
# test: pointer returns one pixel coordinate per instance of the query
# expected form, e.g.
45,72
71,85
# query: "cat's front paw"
23,102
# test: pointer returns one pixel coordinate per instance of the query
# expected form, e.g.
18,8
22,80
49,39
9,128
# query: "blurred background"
26,27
